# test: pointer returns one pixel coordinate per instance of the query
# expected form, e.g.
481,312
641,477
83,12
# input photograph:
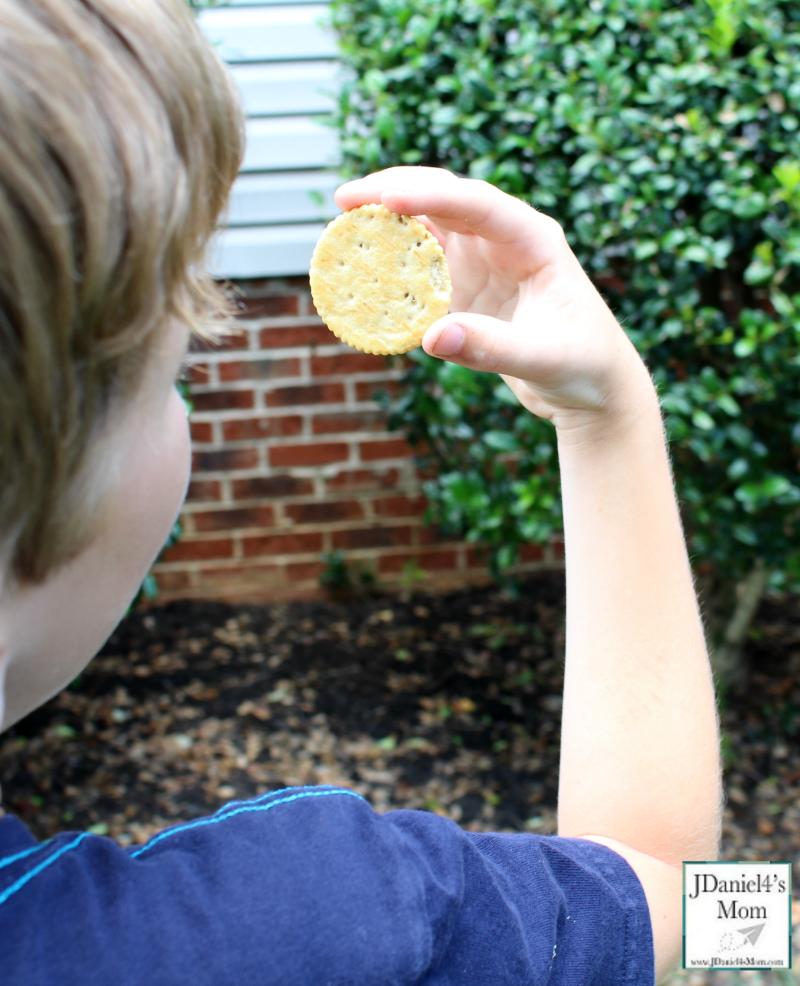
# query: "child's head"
120,136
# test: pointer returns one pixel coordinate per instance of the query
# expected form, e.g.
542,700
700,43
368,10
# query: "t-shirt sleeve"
311,887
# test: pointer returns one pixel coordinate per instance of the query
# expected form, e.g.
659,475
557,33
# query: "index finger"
453,203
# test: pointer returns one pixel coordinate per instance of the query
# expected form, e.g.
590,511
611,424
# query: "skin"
639,760
48,633
639,769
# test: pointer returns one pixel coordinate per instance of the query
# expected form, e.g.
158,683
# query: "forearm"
639,749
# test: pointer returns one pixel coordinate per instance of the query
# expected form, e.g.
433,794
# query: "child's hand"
523,306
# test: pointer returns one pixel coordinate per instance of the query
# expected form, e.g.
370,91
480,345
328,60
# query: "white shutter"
287,87
261,251
282,197
257,34
283,61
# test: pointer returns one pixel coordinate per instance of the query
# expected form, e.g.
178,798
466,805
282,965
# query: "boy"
119,139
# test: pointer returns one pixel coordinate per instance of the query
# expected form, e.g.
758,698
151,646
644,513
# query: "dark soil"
447,703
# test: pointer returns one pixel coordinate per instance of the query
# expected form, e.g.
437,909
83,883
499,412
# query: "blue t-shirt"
311,886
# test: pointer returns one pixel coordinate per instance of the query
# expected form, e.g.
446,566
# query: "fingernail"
450,341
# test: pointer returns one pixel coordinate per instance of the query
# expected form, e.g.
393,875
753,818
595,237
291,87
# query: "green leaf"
701,419
645,249
501,441
728,404
506,395
737,468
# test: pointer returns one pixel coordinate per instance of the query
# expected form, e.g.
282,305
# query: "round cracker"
379,279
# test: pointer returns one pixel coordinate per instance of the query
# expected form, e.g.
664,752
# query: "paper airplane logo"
752,934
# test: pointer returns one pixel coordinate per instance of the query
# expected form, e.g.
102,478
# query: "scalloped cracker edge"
379,279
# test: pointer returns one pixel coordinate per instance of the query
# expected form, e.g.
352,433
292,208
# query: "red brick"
392,448
531,552
258,369
267,486
252,428
282,544
221,461
433,561
308,455
224,400
296,335
301,571
250,307
363,479
347,363
252,286
204,489
322,513
372,537
559,550
230,520
172,581
327,393
436,561
400,506
367,390
198,373
199,550
296,281
326,424
475,559
199,345
201,431
233,339
431,534
261,575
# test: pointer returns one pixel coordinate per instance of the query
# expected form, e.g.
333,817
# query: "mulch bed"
447,703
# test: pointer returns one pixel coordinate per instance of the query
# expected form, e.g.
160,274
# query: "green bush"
664,137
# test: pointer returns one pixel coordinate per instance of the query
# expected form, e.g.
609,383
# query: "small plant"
336,575
342,579
496,635
411,577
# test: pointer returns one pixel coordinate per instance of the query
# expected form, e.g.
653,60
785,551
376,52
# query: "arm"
639,749
640,763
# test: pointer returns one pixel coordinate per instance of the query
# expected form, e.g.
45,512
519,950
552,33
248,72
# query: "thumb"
479,342
560,370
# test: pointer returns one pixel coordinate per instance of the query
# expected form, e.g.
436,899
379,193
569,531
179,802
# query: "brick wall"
292,458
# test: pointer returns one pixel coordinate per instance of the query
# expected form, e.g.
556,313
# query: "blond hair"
120,136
